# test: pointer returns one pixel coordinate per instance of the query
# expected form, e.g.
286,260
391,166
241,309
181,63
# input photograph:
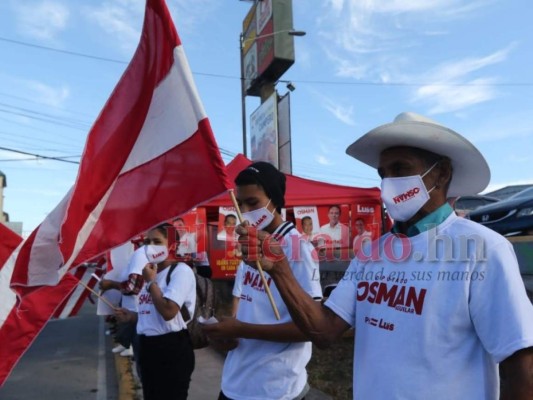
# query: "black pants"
125,333
167,362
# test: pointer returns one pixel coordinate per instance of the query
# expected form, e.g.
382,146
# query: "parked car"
465,204
511,216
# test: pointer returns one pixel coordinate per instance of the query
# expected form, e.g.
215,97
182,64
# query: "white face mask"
404,196
260,218
155,253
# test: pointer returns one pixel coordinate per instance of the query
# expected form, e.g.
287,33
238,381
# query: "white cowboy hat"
471,174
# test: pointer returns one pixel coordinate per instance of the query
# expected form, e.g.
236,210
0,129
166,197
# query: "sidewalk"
207,375
205,381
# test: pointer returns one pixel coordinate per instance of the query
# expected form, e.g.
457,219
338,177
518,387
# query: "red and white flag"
150,156
19,325
85,273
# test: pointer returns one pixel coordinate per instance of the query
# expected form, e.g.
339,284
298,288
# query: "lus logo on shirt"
380,323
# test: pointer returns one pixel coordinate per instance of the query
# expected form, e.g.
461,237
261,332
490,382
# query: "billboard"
264,132
267,48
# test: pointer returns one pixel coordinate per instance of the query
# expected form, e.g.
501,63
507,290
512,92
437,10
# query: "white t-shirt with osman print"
435,325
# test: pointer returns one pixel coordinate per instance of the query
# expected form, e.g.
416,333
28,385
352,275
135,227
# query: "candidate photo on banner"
307,222
227,221
334,232
365,227
191,230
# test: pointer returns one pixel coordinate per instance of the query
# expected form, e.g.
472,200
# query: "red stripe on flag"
118,142
9,241
73,303
115,131
135,210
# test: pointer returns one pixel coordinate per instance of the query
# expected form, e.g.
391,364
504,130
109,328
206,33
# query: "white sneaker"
127,353
118,349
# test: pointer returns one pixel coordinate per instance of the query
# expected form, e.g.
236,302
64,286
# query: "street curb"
126,383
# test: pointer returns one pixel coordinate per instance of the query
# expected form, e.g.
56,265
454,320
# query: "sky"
465,64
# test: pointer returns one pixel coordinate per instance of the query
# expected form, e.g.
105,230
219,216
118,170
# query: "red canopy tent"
300,192
303,192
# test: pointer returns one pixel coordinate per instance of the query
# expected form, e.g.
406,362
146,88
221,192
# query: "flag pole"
97,295
258,262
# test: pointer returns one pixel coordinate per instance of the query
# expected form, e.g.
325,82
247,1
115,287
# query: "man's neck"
403,227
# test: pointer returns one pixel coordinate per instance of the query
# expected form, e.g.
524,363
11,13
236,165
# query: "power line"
40,156
33,140
78,113
64,158
50,120
33,158
315,82
71,53
46,115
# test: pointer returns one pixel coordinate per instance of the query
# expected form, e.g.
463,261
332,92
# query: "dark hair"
178,219
307,217
336,206
229,216
165,228
268,177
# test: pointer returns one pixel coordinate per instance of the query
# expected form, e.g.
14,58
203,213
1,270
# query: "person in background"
334,234
271,355
129,289
307,230
362,235
307,227
202,266
166,353
187,242
229,236
436,322
228,233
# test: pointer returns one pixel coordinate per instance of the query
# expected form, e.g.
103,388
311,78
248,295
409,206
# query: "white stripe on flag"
174,114
86,231
45,255
75,296
8,298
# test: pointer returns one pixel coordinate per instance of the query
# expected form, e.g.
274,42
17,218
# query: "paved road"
69,360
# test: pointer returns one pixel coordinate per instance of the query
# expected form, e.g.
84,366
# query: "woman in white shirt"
166,356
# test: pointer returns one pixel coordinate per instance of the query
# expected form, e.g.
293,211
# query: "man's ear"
445,173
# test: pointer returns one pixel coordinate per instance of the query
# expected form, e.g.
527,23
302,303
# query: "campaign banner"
191,228
264,132
307,222
227,221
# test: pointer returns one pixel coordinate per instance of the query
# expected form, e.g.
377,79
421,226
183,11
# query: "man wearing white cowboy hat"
444,302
